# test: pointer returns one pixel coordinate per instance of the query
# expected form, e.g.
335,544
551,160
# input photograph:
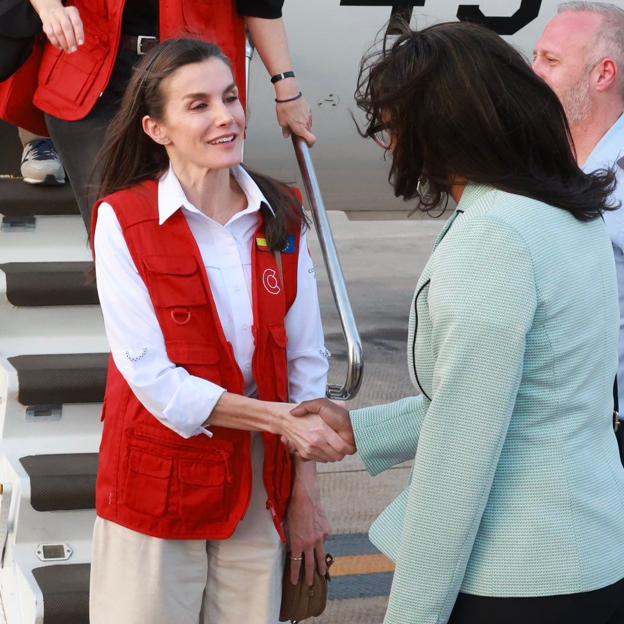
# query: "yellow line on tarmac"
361,564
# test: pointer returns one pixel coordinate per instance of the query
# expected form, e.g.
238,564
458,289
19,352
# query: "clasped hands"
318,430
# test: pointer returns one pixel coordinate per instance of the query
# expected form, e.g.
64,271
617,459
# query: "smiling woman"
184,239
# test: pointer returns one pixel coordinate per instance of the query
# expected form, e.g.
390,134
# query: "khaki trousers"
136,579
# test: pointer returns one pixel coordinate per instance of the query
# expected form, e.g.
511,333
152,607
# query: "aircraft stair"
53,363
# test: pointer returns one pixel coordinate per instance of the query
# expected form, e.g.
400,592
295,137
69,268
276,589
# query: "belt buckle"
140,40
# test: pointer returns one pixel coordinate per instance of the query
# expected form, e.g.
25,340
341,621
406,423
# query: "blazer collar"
476,200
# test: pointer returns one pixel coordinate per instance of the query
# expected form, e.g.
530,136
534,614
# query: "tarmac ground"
381,261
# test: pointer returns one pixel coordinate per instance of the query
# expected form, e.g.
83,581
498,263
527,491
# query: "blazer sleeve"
387,435
482,301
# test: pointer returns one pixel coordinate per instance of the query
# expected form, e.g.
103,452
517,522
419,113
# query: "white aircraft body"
327,40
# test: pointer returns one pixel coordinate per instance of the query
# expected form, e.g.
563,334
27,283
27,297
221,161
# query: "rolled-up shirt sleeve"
307,356
181,401
269,9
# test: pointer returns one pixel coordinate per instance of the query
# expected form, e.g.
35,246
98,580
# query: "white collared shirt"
609,153
179,400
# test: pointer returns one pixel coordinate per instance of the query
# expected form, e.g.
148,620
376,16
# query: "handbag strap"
617,422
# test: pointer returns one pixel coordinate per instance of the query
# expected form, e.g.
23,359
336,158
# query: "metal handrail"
355,363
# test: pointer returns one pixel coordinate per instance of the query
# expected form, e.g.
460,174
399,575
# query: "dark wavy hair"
128,156
461,104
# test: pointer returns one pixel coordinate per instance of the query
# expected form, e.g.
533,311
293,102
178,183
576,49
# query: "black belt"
139,44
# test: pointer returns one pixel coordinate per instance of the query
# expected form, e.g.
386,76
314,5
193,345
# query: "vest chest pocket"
147,483
204,487
175,282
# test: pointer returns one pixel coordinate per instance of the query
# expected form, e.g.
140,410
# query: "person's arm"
61,24
181,401
482,300
269,38
384,435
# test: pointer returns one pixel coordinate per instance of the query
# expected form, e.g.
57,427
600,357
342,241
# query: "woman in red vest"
211,311
93,46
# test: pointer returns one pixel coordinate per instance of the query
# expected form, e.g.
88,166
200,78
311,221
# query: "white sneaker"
41,164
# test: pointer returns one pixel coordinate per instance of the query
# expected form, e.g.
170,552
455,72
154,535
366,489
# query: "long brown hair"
129,156
461,103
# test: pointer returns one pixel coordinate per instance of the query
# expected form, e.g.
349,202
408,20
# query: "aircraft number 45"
528,11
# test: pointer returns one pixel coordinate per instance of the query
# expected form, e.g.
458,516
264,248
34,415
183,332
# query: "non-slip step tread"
35,284
61,378
20,199
65,590
61,482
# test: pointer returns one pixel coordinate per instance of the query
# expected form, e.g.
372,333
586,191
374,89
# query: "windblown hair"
129,156
462,105
609,39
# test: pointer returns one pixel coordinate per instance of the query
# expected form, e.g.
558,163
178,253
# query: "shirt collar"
608,149
171,196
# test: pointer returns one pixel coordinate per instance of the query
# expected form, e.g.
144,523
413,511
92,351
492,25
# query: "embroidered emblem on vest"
291,245
270,281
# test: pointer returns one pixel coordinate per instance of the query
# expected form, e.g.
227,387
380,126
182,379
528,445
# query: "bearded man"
581,57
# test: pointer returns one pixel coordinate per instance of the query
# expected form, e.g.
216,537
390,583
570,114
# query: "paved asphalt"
381,261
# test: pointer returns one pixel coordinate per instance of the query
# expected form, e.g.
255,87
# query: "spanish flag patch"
291,244
261,243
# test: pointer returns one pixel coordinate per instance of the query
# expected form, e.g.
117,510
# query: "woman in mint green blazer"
514,511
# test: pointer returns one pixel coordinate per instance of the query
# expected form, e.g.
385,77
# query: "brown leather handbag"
301,601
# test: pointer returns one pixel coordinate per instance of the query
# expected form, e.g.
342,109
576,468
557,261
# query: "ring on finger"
296,558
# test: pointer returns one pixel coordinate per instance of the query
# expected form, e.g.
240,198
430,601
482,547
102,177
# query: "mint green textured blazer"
517,488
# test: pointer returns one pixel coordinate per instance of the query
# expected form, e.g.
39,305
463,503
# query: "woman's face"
204,121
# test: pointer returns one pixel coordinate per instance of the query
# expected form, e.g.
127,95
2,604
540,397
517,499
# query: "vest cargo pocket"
203,487
70,76
280,360
199,359
147,484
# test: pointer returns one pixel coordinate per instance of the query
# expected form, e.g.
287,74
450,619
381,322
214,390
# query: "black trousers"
602,606
78,142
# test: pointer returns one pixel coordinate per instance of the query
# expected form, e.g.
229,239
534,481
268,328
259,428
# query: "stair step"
65,590
20,199
61,378
61,482
49,283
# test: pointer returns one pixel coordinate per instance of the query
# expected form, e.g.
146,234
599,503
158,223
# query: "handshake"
318,430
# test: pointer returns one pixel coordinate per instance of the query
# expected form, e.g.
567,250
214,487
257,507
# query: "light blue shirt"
606,154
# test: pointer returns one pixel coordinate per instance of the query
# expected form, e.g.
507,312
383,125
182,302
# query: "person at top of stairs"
93,46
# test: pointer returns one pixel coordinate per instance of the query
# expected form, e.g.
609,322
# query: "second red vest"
150,479
70,84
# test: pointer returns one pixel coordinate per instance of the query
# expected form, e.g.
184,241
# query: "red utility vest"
150,479
70,84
